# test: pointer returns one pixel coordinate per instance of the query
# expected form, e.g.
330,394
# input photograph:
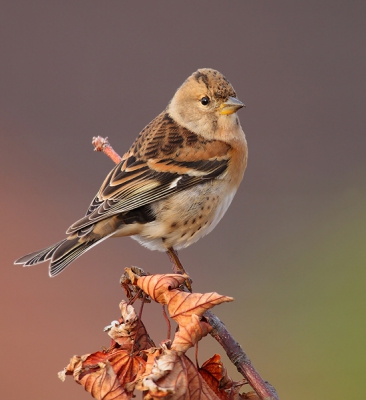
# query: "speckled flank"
202,209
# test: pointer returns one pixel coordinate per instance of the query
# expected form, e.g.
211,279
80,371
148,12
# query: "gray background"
290,250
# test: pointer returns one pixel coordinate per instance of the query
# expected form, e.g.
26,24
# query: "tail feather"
40,256
61,254
58,264
70,250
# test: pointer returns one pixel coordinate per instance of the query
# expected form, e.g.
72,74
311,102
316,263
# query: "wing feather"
155,168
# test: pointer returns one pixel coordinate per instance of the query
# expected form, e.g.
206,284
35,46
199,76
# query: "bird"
173,185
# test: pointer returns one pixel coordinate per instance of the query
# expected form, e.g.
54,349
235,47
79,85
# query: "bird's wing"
165,159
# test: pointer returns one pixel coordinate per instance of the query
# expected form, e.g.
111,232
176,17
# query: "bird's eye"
205,100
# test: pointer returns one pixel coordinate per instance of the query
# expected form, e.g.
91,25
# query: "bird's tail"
61,254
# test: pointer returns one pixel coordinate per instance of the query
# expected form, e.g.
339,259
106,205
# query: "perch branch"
239,358
219,332
102,144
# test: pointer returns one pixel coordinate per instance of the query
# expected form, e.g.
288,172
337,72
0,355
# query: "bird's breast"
185,217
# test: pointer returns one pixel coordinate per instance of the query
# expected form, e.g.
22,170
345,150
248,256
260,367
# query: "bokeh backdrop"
292,248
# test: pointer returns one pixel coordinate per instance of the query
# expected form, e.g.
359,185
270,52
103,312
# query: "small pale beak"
230,106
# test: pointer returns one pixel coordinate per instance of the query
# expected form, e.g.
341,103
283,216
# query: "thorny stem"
219,332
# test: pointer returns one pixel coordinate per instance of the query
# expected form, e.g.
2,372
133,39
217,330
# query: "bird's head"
205,102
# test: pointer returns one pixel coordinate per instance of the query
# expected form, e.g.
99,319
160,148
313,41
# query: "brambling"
174,184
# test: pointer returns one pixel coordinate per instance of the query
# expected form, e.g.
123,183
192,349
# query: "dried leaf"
103,384
177,377
151,355
106,375
189,335
133,362
182,305
128,283
74,367
130,332
126,366
215,375
214,367
158,286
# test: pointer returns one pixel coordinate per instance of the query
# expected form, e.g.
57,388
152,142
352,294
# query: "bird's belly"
186,217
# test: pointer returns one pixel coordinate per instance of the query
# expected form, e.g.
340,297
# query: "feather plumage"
174,184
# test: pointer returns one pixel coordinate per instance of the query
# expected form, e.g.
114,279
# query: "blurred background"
291,249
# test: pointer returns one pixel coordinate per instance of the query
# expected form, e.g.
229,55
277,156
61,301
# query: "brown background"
291,249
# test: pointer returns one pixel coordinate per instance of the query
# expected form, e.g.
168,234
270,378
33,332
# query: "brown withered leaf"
190,334
151,355
181,305
175,376
106,375
103,384
215,375
133,361
158,286
126,366
162,364
130,332
128,283
74,367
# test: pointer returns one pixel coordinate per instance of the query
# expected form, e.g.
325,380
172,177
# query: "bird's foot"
178,267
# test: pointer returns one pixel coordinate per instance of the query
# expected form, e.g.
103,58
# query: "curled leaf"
158,286
133,361
104,374
128,283
130,333
215,375
74,367
103,384
175,376
189,335
182,305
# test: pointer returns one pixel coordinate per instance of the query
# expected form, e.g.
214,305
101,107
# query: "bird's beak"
230,106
